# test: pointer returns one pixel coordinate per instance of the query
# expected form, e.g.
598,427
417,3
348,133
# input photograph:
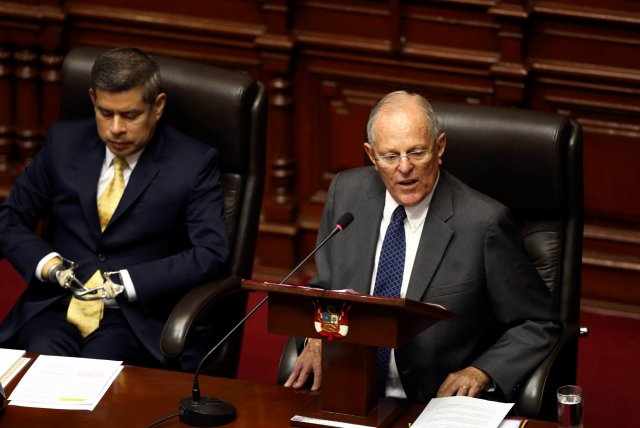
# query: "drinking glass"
570,406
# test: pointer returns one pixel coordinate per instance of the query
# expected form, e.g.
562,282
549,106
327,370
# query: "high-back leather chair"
226,109
531,162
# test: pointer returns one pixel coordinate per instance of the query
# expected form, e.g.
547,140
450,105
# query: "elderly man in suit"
122,193
449,245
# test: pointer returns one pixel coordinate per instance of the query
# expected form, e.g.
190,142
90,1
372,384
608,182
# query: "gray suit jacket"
471,260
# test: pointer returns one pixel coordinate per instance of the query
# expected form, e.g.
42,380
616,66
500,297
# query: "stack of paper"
464,412
11,362
65,383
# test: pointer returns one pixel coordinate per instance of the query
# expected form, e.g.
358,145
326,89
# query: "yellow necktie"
109,199
86,315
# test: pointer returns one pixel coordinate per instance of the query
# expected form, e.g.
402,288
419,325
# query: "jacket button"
101,257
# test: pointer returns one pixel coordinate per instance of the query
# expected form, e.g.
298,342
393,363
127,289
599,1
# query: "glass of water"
570,407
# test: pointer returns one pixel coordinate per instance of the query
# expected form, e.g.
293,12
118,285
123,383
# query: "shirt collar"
132,159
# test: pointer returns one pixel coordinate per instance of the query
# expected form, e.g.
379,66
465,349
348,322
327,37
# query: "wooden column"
279,228
6,120
510,72
27,104
50,76
275,52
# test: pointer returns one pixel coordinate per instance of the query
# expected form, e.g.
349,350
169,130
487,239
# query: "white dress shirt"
106,175
413,231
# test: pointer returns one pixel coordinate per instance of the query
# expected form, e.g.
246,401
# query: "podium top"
371,320
421,308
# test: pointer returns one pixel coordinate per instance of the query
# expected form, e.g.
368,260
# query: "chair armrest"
536,398
287,360
188,310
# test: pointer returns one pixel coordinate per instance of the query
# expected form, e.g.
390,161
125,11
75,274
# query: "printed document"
462,412
65,383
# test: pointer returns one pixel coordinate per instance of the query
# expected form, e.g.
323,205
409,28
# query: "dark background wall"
326,61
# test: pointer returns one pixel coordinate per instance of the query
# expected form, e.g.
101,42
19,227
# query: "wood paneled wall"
325,62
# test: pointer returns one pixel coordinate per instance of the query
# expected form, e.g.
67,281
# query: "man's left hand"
111,289
469,382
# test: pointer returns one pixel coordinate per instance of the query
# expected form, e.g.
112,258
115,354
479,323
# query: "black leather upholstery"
531,162
227,110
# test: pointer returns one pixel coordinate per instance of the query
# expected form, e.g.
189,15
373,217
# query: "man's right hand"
309,362
47,266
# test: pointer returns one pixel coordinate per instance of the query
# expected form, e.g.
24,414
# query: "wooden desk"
140,396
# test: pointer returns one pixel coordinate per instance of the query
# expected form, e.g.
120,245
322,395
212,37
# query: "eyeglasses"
394,159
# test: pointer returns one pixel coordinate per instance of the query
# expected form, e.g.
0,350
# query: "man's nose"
117,125
404,164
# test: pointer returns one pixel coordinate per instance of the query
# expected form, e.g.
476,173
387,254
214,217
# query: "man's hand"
111,289
470,382
309,362
55,271
47,266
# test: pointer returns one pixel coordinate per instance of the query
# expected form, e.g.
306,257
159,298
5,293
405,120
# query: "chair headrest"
516,156
204,101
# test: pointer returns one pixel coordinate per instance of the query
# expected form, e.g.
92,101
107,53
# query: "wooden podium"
348,363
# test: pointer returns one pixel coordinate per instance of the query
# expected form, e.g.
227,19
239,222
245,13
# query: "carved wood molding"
29,12
610,261
136,18
590,71
626,236
620,15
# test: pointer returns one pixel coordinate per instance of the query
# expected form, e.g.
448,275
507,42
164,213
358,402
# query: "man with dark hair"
134,216
422,234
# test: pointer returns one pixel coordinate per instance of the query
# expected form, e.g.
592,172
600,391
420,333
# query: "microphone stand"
210,411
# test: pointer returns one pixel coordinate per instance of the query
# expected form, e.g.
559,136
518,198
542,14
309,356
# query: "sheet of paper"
326,422
511,423
65,383
8,358
13,371
462,412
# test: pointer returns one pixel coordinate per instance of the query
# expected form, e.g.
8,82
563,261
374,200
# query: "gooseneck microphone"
209,411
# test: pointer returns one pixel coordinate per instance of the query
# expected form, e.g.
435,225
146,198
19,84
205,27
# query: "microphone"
2,398
209,411
342,223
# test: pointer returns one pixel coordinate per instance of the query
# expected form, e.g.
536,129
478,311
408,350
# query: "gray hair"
122,69
396,101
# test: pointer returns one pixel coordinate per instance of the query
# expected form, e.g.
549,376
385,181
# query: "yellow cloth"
108,201
87,315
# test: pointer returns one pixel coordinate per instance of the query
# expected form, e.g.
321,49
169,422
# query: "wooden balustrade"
325,62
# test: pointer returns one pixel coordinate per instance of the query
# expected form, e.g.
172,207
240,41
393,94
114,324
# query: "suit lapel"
435,238
89,167
370,217
144,172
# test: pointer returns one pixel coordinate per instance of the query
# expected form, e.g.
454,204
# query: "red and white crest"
331,322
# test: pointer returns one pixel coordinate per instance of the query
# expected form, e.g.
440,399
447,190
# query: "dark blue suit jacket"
471,260
168,230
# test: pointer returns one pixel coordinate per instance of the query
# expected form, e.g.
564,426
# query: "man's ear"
161,101
371,154
441,145
92,95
